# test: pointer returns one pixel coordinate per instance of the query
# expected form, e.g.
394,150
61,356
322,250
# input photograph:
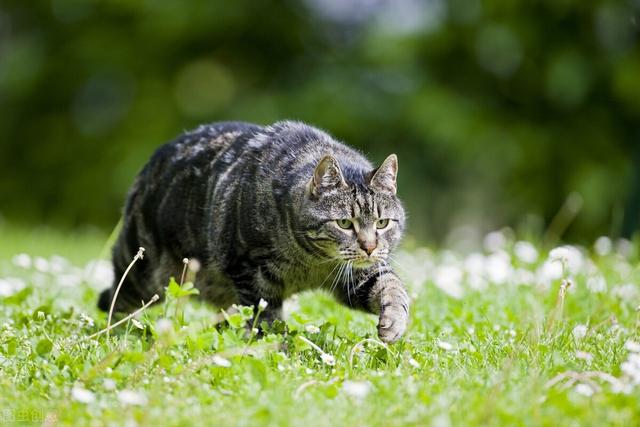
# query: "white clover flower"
164,326
262,304
631,368
69,280
445,345
474,264
312,329
86,320
109,384
624,247
41,264
413,362
559,254
626,292
525,252
494,241
290,305
476,282
579,332
597,284
584,389
622,268
583,355
357,389
569,256
22,261
130,397
10,286
498,267
194,265
416,264
632,346
523,277
548,272
82,395
328,359
448,278
620,387
58,264
603,245
441,420
99,273
221,361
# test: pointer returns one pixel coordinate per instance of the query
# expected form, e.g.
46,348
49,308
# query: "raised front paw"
393,322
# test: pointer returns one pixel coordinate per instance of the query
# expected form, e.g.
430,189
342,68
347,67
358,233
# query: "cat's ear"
326,176
384,178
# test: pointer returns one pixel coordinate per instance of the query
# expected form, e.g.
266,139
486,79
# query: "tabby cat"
268,212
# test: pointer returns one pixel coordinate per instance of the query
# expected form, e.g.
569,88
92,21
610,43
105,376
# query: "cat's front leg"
380,292
388,297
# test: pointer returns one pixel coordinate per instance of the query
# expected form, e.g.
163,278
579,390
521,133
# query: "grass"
491,342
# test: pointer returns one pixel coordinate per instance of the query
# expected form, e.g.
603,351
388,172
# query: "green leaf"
175,291
18,297
300,318
236,320
276,327
300,344
134,356
44,346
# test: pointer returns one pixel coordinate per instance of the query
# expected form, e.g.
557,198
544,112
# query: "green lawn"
492,342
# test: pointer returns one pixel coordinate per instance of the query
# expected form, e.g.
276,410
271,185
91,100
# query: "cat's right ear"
326,176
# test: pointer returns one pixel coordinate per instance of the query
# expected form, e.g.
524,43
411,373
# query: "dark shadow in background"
497,110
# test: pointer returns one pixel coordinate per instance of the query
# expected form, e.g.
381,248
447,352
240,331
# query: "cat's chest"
298,278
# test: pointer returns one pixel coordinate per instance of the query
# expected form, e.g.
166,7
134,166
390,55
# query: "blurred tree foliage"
497,109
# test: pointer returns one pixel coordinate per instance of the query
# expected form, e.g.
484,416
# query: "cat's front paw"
393,322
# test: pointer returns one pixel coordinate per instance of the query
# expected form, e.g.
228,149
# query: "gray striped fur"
258,207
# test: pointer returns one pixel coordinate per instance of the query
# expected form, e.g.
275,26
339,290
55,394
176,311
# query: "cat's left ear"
326,176
384,178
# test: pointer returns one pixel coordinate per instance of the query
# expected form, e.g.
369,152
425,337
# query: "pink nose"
368,246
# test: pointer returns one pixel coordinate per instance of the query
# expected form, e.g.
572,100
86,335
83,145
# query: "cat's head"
353,215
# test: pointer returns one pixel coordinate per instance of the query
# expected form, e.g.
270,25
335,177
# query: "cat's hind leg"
263,291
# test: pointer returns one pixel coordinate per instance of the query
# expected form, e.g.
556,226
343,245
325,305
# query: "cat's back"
201,146
171,191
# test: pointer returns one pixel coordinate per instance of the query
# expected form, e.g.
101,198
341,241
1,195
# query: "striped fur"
260,207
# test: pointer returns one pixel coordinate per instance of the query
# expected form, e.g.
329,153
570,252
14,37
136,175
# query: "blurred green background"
502,112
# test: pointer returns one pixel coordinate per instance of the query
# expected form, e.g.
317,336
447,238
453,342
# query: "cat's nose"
368,246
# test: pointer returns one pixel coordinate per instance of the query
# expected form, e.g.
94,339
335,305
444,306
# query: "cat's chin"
364,263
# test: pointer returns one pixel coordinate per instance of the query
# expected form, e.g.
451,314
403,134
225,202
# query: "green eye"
344,223
382,223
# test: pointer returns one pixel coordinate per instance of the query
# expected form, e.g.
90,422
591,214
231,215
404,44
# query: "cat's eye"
382,223
344,223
